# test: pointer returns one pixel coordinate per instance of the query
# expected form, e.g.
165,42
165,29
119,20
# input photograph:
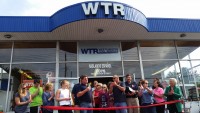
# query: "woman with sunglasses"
22,100
96,96
146,95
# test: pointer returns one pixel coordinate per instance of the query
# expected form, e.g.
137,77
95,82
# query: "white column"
6,108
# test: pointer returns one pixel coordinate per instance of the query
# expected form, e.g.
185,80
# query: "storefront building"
98,39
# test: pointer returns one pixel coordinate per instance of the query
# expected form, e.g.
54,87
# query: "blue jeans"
151,109
86,105
121,104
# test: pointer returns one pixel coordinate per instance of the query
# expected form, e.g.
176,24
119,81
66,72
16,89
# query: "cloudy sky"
151,8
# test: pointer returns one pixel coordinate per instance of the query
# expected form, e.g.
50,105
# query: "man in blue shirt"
131,94
74,96
147,97
85,95
118,89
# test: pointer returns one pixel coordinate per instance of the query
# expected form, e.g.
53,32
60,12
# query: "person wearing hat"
36,93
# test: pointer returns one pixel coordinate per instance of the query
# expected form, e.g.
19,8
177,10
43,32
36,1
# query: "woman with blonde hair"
48,97
104,98
63,96
22,100
96,92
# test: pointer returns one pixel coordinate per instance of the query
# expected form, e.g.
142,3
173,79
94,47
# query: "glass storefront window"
34,52
22,72
5,52
68,51
160,69
188,49
157,50
132,68
187,71
100,69
4,72
129,51
190,75
68,69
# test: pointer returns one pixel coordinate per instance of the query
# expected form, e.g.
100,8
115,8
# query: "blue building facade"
100,39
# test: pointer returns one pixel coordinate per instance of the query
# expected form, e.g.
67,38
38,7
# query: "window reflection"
157,50
160,69
129,51
32,71
5,52
68,51
132,68
4,70
190,76
34,52
188,49
68,69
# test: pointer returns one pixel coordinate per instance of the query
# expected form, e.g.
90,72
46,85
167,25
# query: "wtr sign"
92,8
99,50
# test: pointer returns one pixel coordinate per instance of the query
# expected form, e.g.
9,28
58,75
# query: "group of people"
113,94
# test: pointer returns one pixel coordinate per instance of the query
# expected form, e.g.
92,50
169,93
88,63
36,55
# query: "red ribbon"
108,108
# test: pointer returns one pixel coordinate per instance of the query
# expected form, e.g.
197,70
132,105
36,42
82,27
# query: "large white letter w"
90,8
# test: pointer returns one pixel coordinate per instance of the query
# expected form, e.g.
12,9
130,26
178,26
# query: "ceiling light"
182,35
100,30
8,36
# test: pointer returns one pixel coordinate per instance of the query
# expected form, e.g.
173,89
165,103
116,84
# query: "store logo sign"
92,8
99,50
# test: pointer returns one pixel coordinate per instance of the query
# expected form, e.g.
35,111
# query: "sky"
151,8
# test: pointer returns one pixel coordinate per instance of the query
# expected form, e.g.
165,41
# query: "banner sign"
100,69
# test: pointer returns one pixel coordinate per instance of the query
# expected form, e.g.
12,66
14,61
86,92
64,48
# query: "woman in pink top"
96,92
158,96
